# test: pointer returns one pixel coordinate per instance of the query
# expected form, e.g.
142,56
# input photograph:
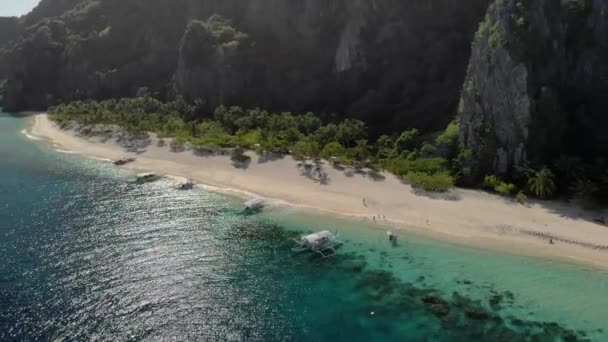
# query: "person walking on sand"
364,202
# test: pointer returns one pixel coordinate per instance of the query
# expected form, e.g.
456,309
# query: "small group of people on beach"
380,217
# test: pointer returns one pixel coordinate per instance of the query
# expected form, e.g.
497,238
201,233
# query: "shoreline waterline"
488,233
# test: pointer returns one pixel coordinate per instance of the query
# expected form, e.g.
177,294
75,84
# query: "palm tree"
541,182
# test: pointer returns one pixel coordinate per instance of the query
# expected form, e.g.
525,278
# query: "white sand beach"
464,216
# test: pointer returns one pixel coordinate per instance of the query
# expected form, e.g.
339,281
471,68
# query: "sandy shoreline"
469,217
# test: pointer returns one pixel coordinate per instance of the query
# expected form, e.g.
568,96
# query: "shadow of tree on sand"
575,211
242,164
314,171
450,195
267,157
131,142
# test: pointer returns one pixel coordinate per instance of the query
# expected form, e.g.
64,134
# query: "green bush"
521,198
249,139
505,189
401,167
333,149
212,133
428,150
490,181
306,149
438,182
496,184
407,140
450,135
541,182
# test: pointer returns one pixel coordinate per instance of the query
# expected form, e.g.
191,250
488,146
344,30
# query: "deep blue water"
87,255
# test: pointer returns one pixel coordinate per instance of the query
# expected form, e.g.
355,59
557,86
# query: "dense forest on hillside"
393,64
519,84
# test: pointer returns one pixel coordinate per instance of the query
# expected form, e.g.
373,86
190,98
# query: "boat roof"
319,236
255,201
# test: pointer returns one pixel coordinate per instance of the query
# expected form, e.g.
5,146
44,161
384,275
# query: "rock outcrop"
536,85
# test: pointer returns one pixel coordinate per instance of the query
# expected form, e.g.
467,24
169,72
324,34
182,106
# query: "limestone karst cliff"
394,64
536,85
533,94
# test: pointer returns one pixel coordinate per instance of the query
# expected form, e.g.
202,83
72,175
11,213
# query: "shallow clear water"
87,255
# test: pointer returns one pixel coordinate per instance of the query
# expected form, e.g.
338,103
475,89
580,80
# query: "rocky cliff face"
395,64
536,85
9,29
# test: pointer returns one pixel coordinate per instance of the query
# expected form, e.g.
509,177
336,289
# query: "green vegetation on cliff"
534,100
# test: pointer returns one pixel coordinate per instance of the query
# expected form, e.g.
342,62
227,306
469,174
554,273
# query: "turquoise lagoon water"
87,255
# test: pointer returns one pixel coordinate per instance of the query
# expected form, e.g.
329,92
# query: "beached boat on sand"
255,205
323,243
147,178
189,185
124,161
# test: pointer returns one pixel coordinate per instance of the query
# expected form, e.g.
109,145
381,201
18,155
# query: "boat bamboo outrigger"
124,161
323,243
147,178
189,185
255,205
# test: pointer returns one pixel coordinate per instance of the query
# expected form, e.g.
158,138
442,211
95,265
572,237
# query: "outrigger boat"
323,243
147,178
255,205
124,161
189,185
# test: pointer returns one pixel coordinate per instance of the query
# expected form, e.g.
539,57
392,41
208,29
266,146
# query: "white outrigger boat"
255,205
147,178
324,243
